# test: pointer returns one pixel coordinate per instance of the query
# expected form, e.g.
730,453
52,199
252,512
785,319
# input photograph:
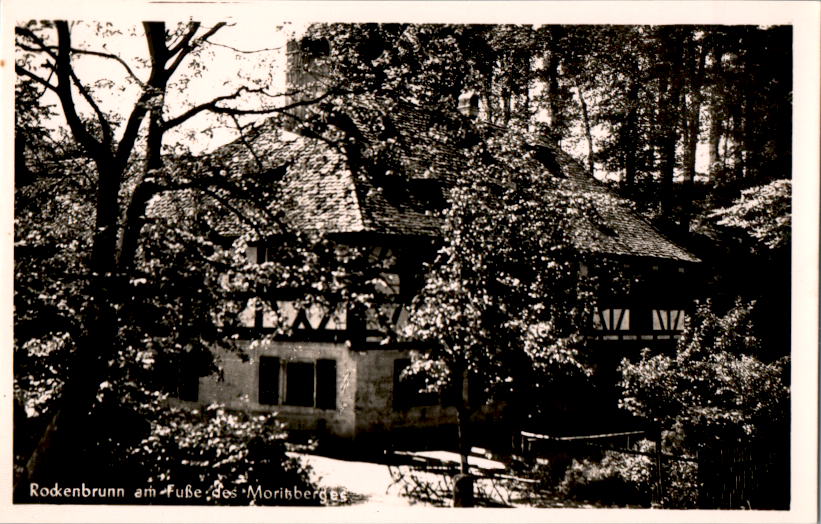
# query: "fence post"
659,469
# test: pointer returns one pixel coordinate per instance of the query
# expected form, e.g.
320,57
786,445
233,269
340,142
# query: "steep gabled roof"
628,234
322,191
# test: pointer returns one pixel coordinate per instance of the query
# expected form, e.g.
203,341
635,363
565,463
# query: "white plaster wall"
240,384
374,397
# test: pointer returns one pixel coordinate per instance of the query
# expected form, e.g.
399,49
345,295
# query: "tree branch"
49,49
241,51
84,92
22,31
20,70
216,196
155,38
111,56
63,90
185,47
193,27
245,142
212,106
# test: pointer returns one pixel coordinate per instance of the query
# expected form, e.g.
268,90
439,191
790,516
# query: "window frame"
324,381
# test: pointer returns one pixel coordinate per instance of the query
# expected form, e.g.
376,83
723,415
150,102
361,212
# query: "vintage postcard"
410,261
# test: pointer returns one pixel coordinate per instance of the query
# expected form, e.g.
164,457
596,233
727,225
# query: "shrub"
231,456
714,390
714,393
623,479
618,479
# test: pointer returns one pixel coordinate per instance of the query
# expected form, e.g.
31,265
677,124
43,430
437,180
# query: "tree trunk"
749,142
716,122
463,483
694,114
588,135
697,56
630,136
506,106
463,421
551,80
62,453
145,188
670,97
714,142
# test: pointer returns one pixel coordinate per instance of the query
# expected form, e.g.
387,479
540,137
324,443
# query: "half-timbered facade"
332,373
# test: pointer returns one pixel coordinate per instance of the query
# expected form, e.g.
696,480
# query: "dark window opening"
299,384
189,387
548,158
305,384
269,380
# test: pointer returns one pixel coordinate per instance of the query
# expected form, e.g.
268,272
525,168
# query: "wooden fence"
744,477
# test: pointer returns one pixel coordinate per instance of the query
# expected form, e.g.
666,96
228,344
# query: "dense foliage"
715,388
617,478
639,98
763,213
715,394
231,456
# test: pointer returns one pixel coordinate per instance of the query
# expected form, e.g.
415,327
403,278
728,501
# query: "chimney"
303,76
469,104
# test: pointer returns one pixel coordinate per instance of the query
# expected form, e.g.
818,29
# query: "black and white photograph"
454,262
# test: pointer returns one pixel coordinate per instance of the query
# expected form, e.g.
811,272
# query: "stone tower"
306,76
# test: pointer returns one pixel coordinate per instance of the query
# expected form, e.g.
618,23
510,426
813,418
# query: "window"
406,390
612,319
258,254
308,384
299,384
388,282
269,380
668,320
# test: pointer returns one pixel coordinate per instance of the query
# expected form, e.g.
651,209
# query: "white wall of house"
365,395
375,407
240,386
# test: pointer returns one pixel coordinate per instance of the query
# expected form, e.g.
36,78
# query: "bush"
618,479
714,393
623,479
233,457
715,389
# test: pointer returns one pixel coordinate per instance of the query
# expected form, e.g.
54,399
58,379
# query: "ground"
378,486
367,482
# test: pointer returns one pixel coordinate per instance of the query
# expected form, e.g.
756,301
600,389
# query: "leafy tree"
762,213
715,389
116,314
505,302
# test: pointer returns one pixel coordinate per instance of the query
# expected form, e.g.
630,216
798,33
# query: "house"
333,373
